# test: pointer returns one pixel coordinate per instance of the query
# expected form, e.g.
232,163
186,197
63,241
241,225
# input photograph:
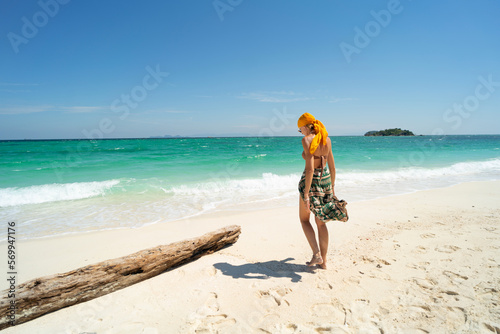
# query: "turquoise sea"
70,186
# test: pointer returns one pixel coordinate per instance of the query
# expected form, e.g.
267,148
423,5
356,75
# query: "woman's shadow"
265,270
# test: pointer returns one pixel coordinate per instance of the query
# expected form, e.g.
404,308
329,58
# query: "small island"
390,132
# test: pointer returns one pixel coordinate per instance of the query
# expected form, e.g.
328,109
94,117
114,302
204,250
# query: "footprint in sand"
217,321
180,273
418,266
454,276
354,280
424,283
332,312
275,296
384,262
307,328
374,259
486,292
208,318
448,296
450,293
419,309
324,285
367,259
211,271
359,311
447,249
427,235
210,306
420,250
455,318
332,330
492,262
377,273
491,328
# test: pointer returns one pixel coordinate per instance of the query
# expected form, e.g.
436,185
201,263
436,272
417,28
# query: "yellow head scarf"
319,128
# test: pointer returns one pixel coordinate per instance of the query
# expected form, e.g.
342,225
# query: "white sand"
427,262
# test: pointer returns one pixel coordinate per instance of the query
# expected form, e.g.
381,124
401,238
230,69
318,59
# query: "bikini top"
323,161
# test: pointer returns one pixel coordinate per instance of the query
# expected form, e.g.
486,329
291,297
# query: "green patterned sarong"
323,204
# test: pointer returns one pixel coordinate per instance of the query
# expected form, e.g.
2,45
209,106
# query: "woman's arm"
306,143
331,165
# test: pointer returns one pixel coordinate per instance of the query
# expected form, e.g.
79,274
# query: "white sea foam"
462,169
53,192
125,203
269,184
271,190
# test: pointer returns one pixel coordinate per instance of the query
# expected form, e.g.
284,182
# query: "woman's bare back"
322,150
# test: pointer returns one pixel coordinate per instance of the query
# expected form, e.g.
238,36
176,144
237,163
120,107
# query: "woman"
317,186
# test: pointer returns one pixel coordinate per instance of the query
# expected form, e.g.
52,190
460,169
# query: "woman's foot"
316,259
322,265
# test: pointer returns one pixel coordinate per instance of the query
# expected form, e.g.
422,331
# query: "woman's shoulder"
307,140
306,143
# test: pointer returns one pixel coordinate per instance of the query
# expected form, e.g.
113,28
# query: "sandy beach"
426,262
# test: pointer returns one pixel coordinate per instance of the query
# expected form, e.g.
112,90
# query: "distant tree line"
390,132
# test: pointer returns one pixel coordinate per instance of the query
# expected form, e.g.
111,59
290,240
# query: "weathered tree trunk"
50,293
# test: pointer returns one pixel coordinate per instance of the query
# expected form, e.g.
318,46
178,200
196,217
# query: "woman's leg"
304,214
323,240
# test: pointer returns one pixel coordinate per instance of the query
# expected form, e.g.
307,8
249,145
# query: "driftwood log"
50,293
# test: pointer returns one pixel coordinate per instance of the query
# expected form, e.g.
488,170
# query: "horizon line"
190,137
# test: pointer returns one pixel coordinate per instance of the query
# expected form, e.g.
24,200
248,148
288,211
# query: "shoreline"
198,220
239,208
423,260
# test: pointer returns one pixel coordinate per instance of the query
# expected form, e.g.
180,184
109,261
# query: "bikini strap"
322,166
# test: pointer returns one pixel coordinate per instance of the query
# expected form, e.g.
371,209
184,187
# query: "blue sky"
118,69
